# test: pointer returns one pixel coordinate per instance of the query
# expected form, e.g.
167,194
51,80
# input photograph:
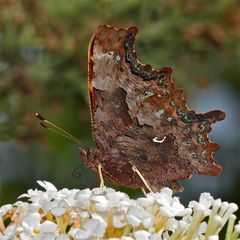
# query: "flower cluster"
103,213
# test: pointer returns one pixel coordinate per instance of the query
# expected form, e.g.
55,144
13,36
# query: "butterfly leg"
100,176
144,192
134,168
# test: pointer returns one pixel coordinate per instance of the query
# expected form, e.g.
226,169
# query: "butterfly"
144,132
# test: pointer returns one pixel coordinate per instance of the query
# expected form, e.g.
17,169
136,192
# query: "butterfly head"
90,157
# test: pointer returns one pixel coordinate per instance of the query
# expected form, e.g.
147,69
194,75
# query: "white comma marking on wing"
159,141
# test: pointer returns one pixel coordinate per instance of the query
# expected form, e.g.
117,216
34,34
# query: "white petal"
47,185
83,195
233,207
155,236
63,193
25,236
45,236
202,228
147,201
148,222
10,230
34,207
5,208
213,237
98,191
99,198
206,199
32,220
134,221
177,207
98,217
82,234
62,237
171,225
48,227
197,206
115,197
23,195
237,228
118,221
167,193
101,207
91,225
141,235
72,232
183,225
108,190
41,183
124,205
84,214
165,211
58,211
100,230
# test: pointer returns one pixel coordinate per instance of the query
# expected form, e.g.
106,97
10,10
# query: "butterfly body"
140,119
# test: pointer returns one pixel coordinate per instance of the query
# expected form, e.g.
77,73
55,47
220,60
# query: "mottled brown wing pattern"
140,119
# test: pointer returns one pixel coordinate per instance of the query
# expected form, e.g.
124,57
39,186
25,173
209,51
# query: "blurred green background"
43,68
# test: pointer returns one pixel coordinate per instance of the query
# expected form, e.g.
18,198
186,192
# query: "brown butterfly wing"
134,107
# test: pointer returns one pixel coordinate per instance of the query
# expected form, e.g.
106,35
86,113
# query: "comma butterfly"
144,132
139,118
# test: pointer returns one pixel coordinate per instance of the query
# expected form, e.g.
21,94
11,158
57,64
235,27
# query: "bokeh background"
43,68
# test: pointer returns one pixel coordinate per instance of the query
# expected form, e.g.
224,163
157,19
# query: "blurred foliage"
43,64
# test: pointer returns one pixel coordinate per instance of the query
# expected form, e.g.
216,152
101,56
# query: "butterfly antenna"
52,127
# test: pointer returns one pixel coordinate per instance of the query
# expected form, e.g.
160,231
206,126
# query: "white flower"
204,204
31,223
115,198
82,198
138,215
101,202
134,221
169,206
5,208
103,213
57,207
9,233
119,221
